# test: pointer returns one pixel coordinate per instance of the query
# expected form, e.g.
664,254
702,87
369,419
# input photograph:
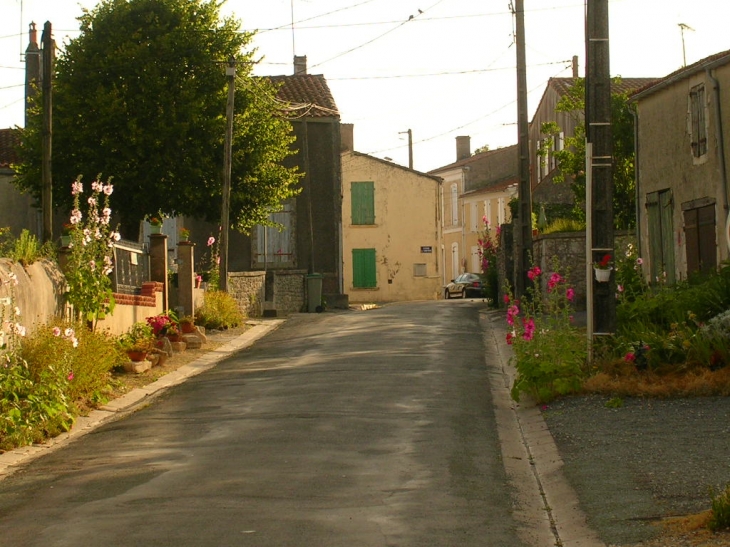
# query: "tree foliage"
141,95
571,159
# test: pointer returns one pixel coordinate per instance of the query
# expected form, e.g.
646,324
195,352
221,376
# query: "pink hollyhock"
570,293
630,357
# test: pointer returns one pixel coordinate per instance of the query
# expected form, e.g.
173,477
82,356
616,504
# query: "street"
348,429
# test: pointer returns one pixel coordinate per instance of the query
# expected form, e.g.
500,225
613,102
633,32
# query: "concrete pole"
227,164
186,277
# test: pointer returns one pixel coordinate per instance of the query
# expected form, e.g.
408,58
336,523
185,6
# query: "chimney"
463,148
300,64
575,66
347,138
32,69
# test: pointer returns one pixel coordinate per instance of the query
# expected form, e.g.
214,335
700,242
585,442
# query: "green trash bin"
314,293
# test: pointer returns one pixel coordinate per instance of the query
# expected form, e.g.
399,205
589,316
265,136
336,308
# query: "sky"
440,68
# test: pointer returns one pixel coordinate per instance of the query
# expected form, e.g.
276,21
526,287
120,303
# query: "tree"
571,159
140,95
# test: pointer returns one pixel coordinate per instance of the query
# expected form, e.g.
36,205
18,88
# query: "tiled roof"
393,165
625,85
308,94
652,87
477,158
8,142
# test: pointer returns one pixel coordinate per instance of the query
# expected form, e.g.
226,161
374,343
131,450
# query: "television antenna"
682,28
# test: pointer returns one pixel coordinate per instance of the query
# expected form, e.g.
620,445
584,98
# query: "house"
311,239
392,226
474,188
16,209
557,198
682,178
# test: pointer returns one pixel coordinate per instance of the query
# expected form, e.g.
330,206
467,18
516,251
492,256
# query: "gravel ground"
635,466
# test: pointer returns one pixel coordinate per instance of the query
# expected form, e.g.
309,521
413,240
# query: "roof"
718,59
618,85
8,143
308,95
477,158
394,165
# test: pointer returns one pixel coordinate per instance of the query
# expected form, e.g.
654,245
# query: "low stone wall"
248,290
289,291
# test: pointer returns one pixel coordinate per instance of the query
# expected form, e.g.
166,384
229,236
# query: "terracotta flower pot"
187,327
136,355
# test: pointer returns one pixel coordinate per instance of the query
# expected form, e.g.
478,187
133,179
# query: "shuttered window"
363,269
659,207
363,202
699,234
699,129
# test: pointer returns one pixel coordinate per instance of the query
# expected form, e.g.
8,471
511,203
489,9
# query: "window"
363,202
455,268
273,246
659,206
474,220
699,236
419,270
500,211
363,269
454,205
698,127
488,211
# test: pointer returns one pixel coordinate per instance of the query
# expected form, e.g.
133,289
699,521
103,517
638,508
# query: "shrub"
720,518
549,353
26,249
220,311
564,225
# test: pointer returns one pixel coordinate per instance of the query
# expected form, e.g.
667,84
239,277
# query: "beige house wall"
489,204
407,227
665,160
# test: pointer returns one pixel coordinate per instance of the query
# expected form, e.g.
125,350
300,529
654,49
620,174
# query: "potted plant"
187,324
603,269
184,234
155,224
138,341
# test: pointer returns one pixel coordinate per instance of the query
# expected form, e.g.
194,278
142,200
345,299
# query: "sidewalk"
12,460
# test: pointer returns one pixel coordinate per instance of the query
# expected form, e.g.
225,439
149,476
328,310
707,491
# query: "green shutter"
363,268
363,202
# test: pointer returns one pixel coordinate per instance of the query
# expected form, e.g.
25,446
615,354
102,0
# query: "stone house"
475,186
682,178
392,226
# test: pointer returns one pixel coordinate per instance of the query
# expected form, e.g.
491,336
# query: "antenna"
22,32
293,49
682,28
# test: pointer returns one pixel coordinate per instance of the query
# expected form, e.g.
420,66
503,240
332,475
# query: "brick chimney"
463,148
347,137
300,64
32,68
575,67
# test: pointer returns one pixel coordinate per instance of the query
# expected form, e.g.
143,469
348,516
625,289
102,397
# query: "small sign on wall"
427,249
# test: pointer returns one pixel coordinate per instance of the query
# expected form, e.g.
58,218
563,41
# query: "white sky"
447,72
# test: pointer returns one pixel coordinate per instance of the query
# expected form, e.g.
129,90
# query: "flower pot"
187,327
602,276
155,229
174,337
136,355
65,241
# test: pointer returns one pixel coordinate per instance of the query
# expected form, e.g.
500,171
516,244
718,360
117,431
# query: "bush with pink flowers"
549,352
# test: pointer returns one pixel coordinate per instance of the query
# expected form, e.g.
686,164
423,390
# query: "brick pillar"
158,264
186,277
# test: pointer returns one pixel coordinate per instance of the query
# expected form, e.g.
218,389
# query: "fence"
131,267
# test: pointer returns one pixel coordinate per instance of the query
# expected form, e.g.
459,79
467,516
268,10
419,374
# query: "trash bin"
314,293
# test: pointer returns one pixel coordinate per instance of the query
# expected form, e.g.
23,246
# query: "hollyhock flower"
639,261
77,188
630,357
19,329
56,331
96,186
108,189
534,272
70,376
92,201
570,293
620,288
555,278
68,332
506,298
510,336
211,240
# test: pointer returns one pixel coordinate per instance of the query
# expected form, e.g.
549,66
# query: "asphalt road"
349,429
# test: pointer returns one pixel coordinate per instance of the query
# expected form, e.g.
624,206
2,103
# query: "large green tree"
571,159
141,96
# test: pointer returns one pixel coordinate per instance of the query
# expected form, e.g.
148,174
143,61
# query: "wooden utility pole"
47,133
523,233
599,134
227,163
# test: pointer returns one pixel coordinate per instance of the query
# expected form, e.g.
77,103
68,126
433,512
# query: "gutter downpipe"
721,144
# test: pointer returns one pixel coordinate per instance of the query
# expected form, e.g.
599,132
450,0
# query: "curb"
548,505
137,398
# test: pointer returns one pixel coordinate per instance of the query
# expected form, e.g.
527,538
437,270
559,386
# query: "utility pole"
523,233
599,135
47,132
227,162
410,147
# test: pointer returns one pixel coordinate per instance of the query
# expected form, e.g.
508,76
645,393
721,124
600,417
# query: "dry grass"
624,381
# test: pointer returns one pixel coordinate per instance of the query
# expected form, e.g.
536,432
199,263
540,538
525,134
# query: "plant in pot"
187,324
138,341
184,234
155,224
603,269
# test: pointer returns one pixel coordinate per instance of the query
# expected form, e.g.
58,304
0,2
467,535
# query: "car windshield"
464,278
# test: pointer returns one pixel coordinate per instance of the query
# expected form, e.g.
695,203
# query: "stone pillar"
158,265
186,277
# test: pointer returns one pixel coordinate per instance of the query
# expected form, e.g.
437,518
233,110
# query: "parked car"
467,285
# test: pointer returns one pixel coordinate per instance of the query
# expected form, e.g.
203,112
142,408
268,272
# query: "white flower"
68,332
108,189
75,342
19,329
17,310
5,301
77,188
56,331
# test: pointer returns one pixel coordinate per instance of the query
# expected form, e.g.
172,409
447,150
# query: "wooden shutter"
363,268
363,202
700,244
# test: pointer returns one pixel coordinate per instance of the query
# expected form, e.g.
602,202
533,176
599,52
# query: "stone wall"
289,291
248,290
